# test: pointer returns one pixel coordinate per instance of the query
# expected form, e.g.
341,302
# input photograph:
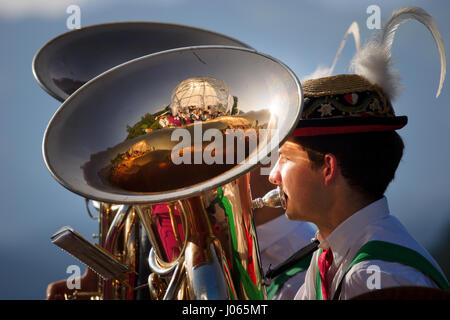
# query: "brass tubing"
148,226
171,208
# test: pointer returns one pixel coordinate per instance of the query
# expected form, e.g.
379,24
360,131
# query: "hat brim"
317,127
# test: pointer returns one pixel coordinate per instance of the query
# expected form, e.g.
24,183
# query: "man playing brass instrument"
202,93
334,171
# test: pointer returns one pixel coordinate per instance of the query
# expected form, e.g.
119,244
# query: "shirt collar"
350,230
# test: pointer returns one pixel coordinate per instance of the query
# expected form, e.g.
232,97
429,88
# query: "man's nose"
274,176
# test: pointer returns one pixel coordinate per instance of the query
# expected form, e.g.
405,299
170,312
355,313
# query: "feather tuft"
374,60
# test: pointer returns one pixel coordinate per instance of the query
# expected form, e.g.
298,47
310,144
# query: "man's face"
301,184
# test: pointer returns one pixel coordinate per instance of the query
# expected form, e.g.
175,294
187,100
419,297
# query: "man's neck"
342,209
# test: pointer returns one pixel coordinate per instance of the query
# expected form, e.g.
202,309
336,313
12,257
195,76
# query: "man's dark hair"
367,160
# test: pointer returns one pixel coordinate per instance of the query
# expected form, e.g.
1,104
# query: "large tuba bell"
70,60
196,214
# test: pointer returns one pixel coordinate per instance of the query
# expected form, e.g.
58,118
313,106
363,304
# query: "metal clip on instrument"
95,257
274,199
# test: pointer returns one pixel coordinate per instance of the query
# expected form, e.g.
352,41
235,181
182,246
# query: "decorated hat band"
345,103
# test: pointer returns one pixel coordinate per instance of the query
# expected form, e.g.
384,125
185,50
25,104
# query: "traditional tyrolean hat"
361,102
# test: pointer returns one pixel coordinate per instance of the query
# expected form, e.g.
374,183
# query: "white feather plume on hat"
373,61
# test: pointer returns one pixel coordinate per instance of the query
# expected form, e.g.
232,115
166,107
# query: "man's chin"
294,215
290,215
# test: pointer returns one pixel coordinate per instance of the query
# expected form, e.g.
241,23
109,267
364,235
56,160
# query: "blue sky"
302,34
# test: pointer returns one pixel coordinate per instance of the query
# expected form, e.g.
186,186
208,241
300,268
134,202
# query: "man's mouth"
284,197
284,192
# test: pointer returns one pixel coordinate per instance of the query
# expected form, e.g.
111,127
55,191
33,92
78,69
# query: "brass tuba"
204,245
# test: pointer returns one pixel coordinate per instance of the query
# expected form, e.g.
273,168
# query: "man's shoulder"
377,274
392,273
391,230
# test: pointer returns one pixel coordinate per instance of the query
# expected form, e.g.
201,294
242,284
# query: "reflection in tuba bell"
172,147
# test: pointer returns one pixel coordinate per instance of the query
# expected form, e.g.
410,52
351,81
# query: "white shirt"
279,239
373,222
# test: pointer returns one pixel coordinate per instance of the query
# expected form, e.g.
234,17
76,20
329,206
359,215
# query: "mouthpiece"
274,199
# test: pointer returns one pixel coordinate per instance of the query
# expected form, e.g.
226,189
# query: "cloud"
17,9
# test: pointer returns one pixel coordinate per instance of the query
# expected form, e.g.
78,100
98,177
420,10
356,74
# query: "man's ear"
329,169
